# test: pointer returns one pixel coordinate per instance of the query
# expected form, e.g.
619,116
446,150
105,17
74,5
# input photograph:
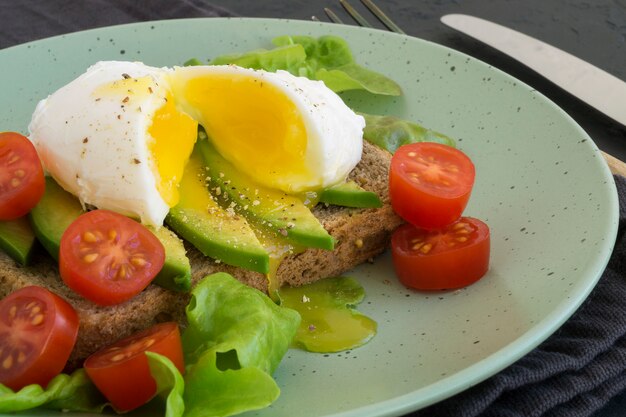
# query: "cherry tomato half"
21,176
452,257
109,258
121,371
430,183
38,331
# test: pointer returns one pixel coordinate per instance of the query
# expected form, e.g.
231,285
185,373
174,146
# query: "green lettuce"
73,392
235,339
170,383
390,132
327,58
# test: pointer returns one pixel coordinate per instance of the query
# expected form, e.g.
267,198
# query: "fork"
615,165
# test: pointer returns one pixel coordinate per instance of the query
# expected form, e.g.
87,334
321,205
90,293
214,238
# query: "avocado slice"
350,194
216,232
57,209
270,209
17,239
176,272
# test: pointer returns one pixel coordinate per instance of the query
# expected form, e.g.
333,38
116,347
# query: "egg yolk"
171,133
254,125
173,136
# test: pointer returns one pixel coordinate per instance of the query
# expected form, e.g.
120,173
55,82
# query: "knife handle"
616,166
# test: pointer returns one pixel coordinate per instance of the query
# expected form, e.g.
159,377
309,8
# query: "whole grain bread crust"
361,234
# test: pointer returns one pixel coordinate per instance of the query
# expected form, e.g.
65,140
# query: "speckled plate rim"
497,361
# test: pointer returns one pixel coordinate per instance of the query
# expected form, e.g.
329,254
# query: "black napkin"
575,371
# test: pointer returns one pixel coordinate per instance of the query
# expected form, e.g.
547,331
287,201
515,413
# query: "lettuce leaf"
64,392
169,382
327,58
235,339
390,132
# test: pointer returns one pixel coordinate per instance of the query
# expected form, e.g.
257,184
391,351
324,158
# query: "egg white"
92,138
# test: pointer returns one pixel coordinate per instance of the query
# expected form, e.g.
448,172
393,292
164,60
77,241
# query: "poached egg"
119,136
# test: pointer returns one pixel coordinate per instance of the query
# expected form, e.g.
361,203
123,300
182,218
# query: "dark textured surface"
594,30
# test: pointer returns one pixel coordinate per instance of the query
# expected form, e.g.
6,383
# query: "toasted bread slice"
360,234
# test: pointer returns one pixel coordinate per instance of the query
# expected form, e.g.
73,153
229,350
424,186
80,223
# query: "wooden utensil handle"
617,167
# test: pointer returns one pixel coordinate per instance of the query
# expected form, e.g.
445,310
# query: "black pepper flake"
98,99
85,140
125,99
125,76
150,90
136,161
119,117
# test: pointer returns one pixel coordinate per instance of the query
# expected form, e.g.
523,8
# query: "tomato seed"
148,343
21,357
20,173
462,232
15,182
7,363
121,272
13,159
118,357
417,245
35,310
411,154
89,258
461,239
38,319
426,248
459,225
138,261
112,234
89,237
12,312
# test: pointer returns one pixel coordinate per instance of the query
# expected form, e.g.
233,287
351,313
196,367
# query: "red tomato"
109,258
121,371
38,330
430,184
453,257
21,176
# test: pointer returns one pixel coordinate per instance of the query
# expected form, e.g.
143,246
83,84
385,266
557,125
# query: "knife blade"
589,83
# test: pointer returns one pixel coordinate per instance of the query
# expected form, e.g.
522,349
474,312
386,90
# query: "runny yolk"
254,125
173,136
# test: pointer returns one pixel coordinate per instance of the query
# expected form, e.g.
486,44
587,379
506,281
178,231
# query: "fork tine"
332,16
355,15
382,16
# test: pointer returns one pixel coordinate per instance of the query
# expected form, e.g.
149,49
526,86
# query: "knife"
590,84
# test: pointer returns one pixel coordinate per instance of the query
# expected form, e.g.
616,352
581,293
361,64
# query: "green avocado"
176,272
350,194
17,239
269,209
217,232
57,209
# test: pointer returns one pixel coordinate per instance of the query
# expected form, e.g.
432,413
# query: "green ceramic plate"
541,185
